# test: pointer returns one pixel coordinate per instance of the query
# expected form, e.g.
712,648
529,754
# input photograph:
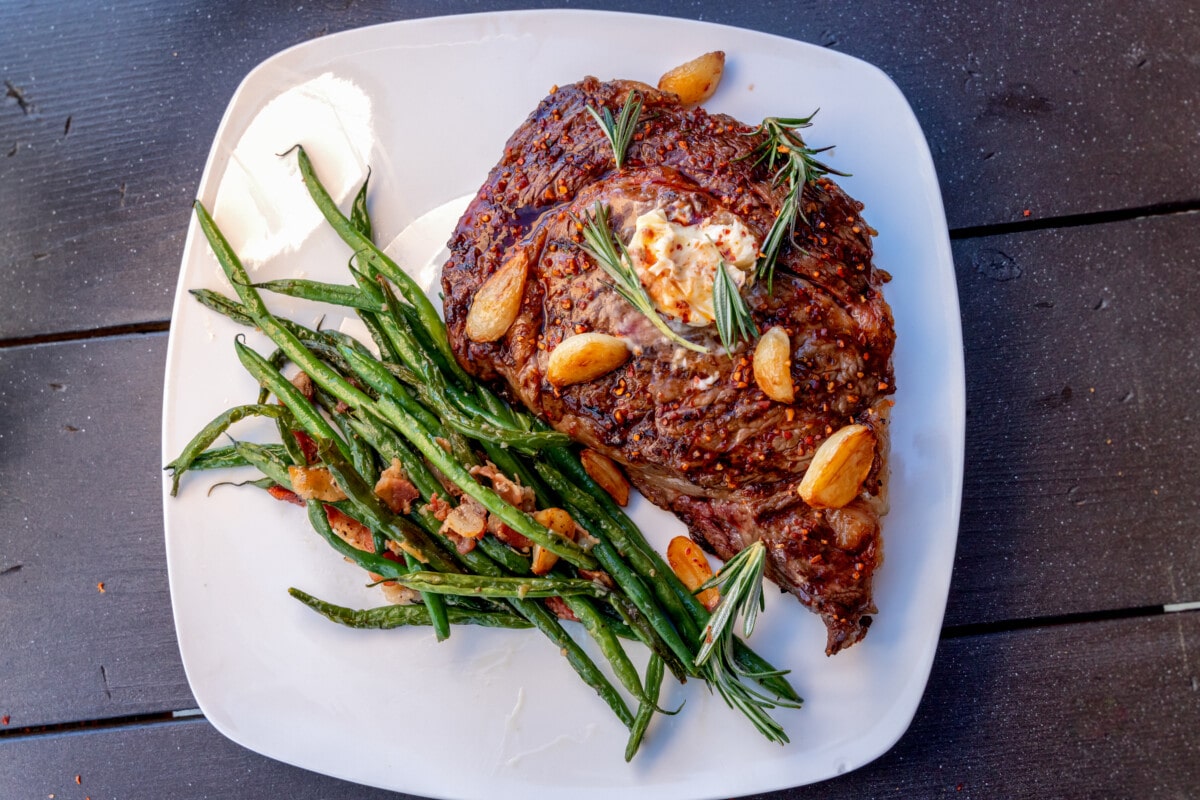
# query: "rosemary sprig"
794,164
729,308
602,244
620,131
741,596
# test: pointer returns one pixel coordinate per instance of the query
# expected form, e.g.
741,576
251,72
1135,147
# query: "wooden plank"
1082,458
1019,104
79,507
1051,109
1056,520
1098,710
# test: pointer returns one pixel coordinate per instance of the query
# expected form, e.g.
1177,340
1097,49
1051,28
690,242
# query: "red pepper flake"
5,719
1027,213
78,780
882,385
100,587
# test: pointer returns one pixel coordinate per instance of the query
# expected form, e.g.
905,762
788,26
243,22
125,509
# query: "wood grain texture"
1082,456
113,108
1056,519
79,506
1103,710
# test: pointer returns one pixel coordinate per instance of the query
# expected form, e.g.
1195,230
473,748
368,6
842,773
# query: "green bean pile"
416,405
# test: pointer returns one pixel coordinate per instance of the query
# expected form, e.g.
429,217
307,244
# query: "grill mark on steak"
695,433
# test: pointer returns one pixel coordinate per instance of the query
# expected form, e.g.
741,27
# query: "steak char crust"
694,431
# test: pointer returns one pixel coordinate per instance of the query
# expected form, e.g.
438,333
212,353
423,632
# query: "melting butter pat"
678,263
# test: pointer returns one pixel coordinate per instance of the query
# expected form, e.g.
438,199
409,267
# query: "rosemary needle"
794,164
603,245
730,311
741,596
619,132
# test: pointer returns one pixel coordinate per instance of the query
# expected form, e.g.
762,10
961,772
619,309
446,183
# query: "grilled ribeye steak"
695,433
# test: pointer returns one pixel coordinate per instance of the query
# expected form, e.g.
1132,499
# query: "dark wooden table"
1067,140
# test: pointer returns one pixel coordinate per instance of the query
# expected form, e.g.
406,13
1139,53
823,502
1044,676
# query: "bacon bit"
350,530
100,587
307,445
315,483
510,491
395,489
305,384
598,576
560,609
512,538
463,544
438,507
399,595
286,495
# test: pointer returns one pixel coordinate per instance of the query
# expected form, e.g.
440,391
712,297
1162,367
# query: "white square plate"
428,105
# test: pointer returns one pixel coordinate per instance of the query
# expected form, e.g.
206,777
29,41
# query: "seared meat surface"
695,433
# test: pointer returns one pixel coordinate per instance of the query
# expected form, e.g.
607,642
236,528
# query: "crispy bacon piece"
510,491
560,609
439,508
599,576
305,384
395,489
315,483
497,528
307,446
349,529
286,495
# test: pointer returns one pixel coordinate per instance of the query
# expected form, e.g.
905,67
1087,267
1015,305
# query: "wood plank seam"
1074,220
154,326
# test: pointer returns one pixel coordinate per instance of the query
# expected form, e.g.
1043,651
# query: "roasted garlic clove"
695,81
558,521
839,467
604,471
690,566
773,365
585,357
498,301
